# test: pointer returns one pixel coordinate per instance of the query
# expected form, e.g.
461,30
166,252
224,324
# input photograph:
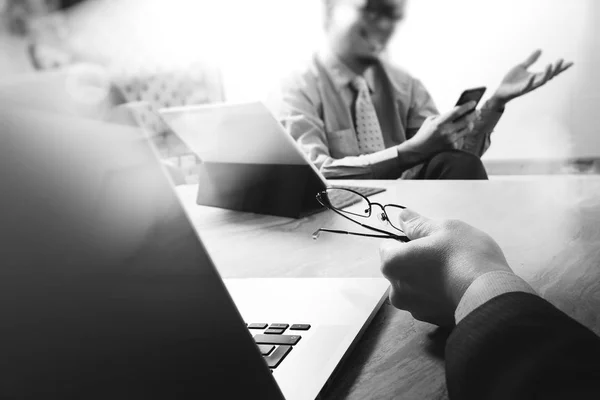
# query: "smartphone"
468,95
471,95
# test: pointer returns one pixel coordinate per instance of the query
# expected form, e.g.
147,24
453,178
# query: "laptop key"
257,326
277,339
300,327
279,326
273,331
265,349
278,355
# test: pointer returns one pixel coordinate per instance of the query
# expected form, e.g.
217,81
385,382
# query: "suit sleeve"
519,346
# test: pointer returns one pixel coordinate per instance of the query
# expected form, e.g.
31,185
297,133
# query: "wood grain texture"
548,227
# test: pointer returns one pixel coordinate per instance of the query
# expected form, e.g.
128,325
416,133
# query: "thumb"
416,226
532,59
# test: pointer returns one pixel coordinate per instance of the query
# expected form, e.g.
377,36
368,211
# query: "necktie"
368,131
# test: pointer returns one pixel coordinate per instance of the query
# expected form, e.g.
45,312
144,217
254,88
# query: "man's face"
361,29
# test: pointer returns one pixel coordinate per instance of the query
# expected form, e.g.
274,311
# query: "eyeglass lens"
351,203
393,215
348,202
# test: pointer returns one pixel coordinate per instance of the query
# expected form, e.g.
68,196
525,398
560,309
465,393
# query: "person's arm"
299,113
508,343
516,83
478,141
422,107
300,116
486,287
518,346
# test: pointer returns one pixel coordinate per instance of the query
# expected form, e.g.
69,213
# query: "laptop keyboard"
275,341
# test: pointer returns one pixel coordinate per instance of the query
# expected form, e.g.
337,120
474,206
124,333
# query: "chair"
144,82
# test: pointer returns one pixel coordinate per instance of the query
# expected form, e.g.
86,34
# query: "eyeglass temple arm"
398,237
387,234
390,236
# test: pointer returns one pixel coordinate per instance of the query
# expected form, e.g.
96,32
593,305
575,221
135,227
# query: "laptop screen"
241,133
105,288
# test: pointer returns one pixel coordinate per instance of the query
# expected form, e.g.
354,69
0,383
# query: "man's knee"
455,164
458,158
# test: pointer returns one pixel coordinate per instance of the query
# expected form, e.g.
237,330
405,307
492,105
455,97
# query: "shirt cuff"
383,161
487,107
383,155
486,287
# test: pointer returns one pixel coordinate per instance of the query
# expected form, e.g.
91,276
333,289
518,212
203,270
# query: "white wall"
452,45
267,39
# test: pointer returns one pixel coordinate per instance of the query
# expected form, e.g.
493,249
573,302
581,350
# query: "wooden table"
548,227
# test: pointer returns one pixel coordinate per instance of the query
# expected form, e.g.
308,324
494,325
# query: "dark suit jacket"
519,346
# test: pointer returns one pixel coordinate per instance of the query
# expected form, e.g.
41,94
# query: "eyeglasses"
350,204
376,12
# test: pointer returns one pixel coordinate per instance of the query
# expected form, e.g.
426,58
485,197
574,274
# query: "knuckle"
417,225
452,224
397,299
387,263
385,268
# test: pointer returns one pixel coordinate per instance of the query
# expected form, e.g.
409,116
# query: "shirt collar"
340,73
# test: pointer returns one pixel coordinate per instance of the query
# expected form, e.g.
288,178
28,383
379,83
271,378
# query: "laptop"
107,292
248,161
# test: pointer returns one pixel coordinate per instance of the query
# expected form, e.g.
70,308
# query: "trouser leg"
453,164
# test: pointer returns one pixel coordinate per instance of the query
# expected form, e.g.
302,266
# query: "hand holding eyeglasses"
357,208
430,274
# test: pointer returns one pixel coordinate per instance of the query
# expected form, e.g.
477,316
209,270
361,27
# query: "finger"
457,112
400,261
393,260
542,77
472,117
566,66
557,67
397,256
399,296
416,226
459,125
460,134
554,69
548,73
563,68
471,126
530,84
532,59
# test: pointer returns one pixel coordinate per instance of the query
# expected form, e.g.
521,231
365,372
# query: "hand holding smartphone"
468,95
451,126
475,94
